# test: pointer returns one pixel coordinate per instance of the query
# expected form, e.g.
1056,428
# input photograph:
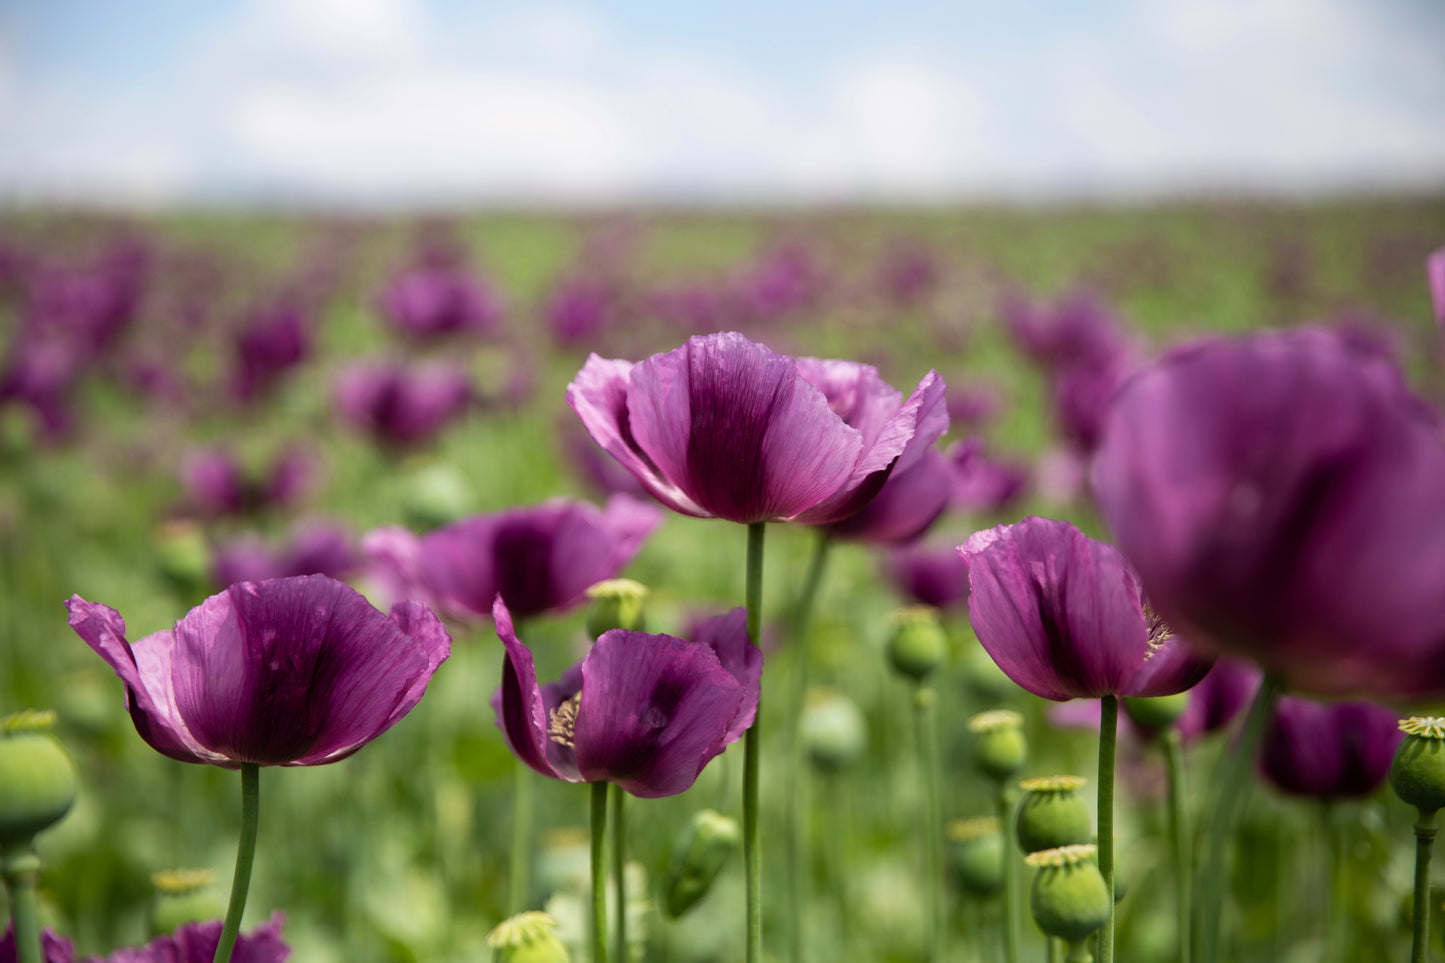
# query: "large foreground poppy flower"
1282,498
287,672
1062,615
725,427
646,712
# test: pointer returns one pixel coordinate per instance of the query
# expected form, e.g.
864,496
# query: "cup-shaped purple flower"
1282,498
930,575
403,406
438,299
312,548
287,672
724,427
1329,751
539,559
1062,615
646,712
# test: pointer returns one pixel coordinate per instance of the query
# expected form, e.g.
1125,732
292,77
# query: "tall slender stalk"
752,838
1233,781
20,868
523,792
1179,830
1425,829
245,856
927,726
619,862
1004,804
1108,734
599,872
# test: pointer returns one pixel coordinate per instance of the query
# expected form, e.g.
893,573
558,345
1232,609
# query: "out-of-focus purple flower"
41,374
1281,497
910,274
1079,398
196,943
1340,750
581,308
538,559
217,484
646,712
1435,275
287,672
53,947
403,406
275,339
782,281
724,427
1077,329
695,305
1062,615
909,503
88,306
437,299
983,485
970,406
314,549
1218,698
930,575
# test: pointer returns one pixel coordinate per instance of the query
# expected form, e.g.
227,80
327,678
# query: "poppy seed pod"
1070,899
701,851
976,855
616,603
527,938
183,896
833,730
999,746
1417,773
37,778
1052,814
918,644
1157,713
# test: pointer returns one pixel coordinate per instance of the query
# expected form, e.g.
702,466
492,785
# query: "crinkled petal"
519,704
728,636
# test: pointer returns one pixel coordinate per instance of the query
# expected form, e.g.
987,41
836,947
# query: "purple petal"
1169,669
908,504
1435,273
1329,751
931,576
521,711
728,637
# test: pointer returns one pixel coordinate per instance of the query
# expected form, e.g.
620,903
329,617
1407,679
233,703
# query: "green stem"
524,790
1004,805
1179,829
1079,952
927,726
20,868
797,851
1051,950
1424,842
245,856
752,838
1330,910
599,872
1234,783
1108,735
619,860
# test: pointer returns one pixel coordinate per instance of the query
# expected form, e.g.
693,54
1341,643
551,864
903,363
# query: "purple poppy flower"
1076,330
196,943
1281,497
437,299
403,406
1063,617
275,339
971,406
1435,275
646,712
907,505
580,308
1219,698
287,672
217,484
315,548
981,484
41,373
53,947
934,576
724,427
539,559
1340,750
909,275
782,281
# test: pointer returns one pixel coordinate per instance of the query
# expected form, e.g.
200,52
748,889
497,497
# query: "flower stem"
1108,733
1179,829
927,726
20,868
619,860
245,856
797,854
752,838
1233,784
1004,804
599,872
523,792
1425,828
1079,952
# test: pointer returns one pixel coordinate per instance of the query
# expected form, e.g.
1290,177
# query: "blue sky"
393,102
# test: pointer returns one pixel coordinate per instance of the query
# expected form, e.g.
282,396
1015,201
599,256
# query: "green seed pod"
183,896
700,853
976,855
527,938
1417,773
999,746
436,495
37,778
1069,898
1158,713
833,730
617,603
918,644
1053,814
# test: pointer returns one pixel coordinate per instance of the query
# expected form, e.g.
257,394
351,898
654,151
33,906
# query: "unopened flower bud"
918,644
833,730
1158,713
699,855
1070,899
999,746
527,938
976,855
1417,773
183,896
617,603
1053,814
37,778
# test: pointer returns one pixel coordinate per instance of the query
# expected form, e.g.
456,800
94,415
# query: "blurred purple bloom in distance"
646,712
1329,751
434,300
402,406
1435,275
1282,497
930,575
724,427
539,559
1062,615
274,339
983,484
1219,698
288,672
313,548
217,484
